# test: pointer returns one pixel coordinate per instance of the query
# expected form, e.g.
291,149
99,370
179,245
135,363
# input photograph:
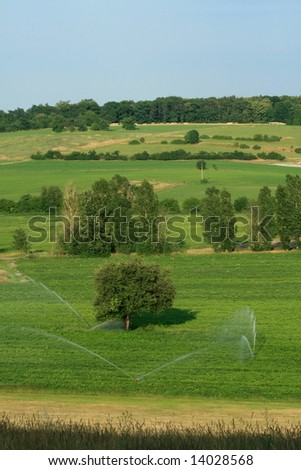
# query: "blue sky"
111,50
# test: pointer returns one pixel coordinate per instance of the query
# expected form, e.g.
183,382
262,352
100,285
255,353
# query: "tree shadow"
172,316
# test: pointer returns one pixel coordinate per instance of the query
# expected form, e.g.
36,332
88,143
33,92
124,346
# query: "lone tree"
192,137
201,165
129,124
130,288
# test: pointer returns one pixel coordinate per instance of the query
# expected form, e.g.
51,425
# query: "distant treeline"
51,196
66,115
92,155
171,155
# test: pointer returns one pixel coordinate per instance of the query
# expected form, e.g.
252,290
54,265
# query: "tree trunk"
127,322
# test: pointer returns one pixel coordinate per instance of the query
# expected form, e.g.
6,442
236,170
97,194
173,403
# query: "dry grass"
37,433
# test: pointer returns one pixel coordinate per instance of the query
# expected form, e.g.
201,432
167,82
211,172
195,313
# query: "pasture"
194,350
18,146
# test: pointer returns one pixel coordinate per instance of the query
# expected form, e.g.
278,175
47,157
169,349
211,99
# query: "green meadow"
194,350
18,146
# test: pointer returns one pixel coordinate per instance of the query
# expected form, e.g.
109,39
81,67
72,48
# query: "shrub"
256,147
29,203
20,241
271,156
129,124
222,137
164,142
134,142
178,142
38,156
244,146
7,205
298,150
192,137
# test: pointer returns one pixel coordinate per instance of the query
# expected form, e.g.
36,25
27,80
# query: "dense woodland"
261,109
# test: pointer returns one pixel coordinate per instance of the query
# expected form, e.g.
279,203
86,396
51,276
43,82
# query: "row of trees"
259,109
113,216
179,154
265,221
50,196
117,216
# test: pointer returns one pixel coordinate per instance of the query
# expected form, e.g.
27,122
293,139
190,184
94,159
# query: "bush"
271,156
134,142
20,241
38,156
141,156
178,142
244,146
29,203
256,147
192,137
164,142
6,205
222,137
129,124
204,136
266,138
298,150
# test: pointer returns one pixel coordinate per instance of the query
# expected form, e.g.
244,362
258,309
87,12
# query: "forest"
88,113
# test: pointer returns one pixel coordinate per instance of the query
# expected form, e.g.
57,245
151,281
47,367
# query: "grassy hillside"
196,350
18,146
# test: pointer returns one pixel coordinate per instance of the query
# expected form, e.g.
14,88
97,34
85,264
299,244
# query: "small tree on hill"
192,137
128,123
130,288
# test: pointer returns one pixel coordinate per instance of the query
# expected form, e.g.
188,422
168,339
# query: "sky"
113,50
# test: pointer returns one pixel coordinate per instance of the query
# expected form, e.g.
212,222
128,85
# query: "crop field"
205,355
195,350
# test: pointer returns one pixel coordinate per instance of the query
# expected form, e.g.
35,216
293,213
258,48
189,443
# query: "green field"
18,146
194,356
210,289
181,179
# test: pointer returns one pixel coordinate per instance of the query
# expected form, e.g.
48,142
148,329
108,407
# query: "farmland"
210,289
18,146
193,352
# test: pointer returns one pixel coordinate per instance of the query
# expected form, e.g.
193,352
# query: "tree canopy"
66,115
131,287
